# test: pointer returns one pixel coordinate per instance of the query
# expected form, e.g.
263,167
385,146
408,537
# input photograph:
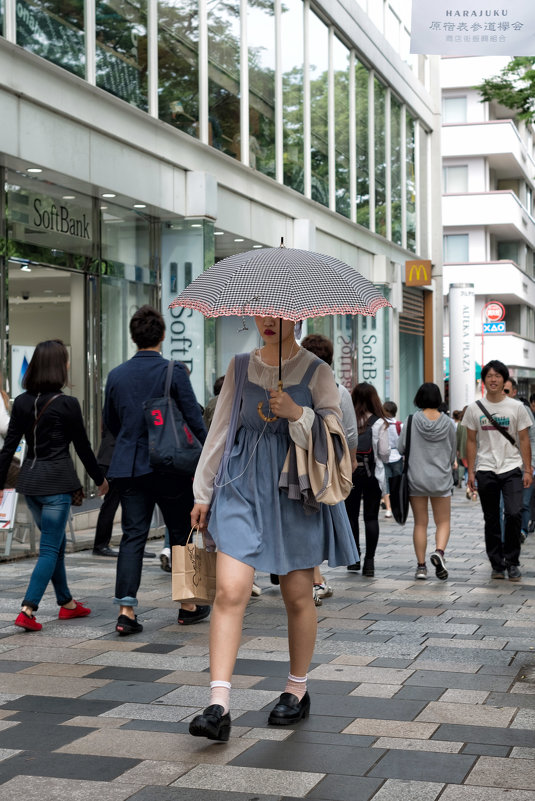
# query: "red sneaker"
28,622
79,611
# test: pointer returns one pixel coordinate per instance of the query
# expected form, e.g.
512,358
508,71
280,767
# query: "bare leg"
296,589
442,516
233,590
421,520
386,499
318,578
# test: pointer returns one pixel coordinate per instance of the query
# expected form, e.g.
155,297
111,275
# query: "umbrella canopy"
281,282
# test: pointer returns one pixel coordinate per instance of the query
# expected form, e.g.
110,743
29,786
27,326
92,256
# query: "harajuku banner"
473,28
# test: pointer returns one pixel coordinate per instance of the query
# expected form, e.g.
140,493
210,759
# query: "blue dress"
255,522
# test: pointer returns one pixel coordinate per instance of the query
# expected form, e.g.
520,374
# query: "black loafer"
212,723
368,568
105,550
289,709
127,625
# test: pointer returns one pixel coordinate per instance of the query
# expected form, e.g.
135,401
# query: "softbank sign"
60,219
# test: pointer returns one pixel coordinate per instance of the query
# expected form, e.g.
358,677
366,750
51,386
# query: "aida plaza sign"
473,28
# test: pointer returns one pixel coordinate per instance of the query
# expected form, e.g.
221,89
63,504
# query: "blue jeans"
51,513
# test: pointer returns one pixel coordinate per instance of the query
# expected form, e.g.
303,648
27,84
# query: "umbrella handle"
266,417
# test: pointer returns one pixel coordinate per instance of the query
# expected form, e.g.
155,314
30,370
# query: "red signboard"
494,311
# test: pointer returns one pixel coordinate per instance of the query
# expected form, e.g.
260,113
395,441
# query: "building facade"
142,141
489,225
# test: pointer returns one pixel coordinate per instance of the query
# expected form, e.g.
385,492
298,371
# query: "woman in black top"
49,421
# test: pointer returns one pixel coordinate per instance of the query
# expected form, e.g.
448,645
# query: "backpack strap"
241,364
407,444
496,425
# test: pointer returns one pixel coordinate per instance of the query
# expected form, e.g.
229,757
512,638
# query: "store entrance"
52,303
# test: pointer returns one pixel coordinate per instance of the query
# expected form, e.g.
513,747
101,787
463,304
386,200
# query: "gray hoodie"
432,455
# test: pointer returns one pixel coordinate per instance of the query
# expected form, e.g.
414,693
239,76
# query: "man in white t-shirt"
501,467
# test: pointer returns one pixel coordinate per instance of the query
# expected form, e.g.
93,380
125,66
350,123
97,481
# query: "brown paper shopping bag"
193,571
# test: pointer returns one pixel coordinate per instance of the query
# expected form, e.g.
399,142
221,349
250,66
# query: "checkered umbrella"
281,282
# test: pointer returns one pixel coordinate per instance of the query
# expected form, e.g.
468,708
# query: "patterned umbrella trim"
369,310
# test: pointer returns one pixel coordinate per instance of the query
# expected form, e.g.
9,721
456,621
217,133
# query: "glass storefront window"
178,64
224,76
363,156
53,29
261,44
380,156
395,170
410,158
292,53
121,55
319,91
341,124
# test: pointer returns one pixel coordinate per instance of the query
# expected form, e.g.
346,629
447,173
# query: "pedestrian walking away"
112,499
322,347
394,466
50,421
257,525
369,485
498,435
128,386
432,457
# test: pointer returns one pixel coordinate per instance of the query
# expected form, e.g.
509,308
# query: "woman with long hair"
49,421
369,484
257,525
433,451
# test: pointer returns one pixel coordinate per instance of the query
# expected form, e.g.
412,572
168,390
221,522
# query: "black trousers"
489,486
367,489
174,496
104,528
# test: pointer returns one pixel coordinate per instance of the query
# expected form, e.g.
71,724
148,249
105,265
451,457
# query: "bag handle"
241,363
407,444
496,425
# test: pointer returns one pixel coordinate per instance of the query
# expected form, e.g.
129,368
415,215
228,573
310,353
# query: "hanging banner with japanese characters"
473,28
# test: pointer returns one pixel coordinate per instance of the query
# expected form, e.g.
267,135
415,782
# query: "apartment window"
363,155
456,248
319,130
455,179
121,54
454,110
380,157
224,77
292,54
341,126
261,43
55,31
508,251
178,66
529,200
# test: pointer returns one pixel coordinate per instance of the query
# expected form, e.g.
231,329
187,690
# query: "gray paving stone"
464,793
295,756
398,790
254,779
436,767
336,787
37,788
488,750
516,774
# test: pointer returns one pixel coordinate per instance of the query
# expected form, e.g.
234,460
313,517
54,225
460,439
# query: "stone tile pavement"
420,690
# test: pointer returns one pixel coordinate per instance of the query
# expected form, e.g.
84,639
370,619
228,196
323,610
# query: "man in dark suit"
140,378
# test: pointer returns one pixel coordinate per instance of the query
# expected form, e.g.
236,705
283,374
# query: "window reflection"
261,43
292,92
224,76
380,157
363,157
395,167
54,29
341,123
319,89
121,55
178,64
410,158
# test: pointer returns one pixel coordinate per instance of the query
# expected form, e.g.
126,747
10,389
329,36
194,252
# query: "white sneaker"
255,591
323,590
317,599
421,572
388,513
165,559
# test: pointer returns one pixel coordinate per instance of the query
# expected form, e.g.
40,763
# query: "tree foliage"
513,87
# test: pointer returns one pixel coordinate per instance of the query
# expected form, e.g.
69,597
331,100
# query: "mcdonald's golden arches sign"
418,273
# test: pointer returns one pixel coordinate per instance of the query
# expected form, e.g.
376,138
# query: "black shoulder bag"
399,485
173,447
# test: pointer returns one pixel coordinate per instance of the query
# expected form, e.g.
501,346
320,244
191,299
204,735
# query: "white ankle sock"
220,694
297,685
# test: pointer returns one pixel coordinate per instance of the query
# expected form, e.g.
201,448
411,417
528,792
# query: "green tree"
513,87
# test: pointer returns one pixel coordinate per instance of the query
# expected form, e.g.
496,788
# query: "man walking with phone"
498,433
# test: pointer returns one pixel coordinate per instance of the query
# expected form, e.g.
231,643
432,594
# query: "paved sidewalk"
420,690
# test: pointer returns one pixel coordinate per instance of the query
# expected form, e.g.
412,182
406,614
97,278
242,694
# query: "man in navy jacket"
140,378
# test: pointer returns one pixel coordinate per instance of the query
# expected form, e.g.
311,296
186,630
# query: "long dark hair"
48,368
366,400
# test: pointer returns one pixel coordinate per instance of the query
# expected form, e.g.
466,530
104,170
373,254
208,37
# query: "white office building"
487,208
141,141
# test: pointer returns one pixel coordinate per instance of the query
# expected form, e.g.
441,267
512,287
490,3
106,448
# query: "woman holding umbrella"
257,526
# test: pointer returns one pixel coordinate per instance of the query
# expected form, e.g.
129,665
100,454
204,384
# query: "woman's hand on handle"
281,404
199,515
